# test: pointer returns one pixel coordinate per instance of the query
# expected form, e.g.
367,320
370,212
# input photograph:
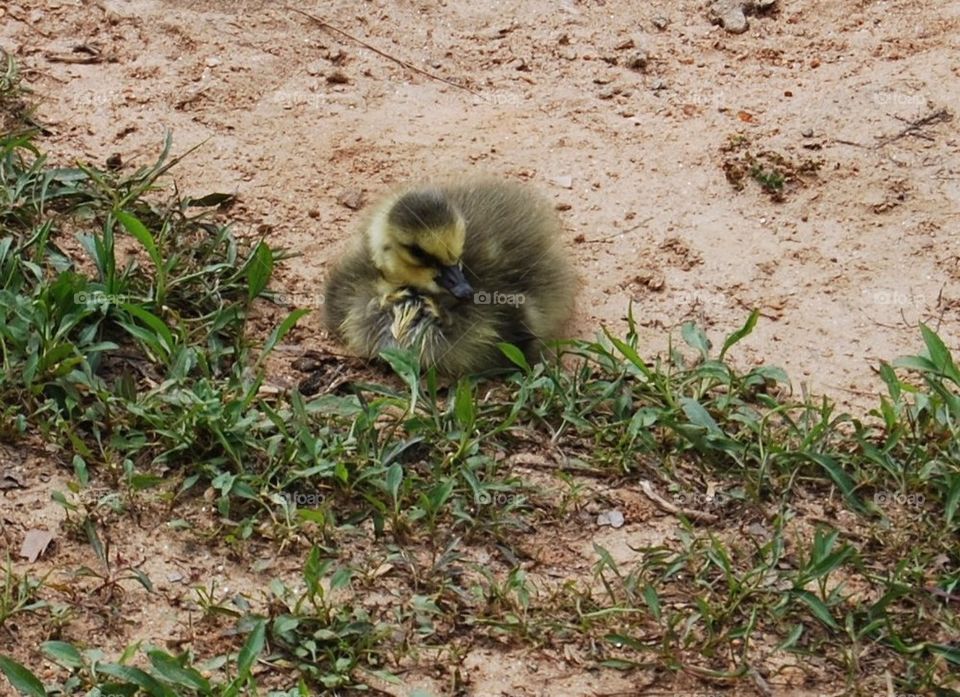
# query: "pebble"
732,14
613,518
638,60
661,22
729,14
351,198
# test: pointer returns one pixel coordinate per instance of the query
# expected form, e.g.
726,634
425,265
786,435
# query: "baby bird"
451,270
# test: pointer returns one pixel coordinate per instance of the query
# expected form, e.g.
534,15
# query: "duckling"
451,270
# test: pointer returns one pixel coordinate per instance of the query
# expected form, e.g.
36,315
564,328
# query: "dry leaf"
35,543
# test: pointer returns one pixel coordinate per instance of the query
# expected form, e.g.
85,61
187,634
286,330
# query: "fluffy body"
384,292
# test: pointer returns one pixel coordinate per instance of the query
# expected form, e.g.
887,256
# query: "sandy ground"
842,270
619,111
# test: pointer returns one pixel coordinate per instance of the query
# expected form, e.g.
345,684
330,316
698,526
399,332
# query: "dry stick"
647,488
913,126
329,27
607,238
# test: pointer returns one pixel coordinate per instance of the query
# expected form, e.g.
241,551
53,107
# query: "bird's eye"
420,255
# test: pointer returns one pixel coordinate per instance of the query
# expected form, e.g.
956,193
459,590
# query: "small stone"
658,85
637,60
661,22
212,62
807,133
625,44
612,518
314,213
564,180
730,15
735,21
351,198
338,77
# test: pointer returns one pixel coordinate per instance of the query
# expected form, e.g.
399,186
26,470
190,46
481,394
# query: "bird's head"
417,241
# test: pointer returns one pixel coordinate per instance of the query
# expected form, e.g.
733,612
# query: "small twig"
647,488
850,142
329,27
913,127
607,238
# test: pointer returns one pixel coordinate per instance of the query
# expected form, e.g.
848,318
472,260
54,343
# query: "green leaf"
259,270
139,231
514,355
652,600
463,404
169,669
947,652
918,363
791,638
939,354
740,334
214,199
25,682
817,607
155,324
146,682
630,353
63,653
889,377
695,337
394,478
280,331
314,570
952,500
840,478
699,416
252,648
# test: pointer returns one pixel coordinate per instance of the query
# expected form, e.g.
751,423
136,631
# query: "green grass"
134,359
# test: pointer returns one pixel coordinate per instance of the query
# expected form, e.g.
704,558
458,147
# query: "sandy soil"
620,111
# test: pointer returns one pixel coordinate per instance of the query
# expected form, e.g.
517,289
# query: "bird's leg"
412,313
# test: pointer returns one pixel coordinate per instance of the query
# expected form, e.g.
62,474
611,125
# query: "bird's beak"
452,278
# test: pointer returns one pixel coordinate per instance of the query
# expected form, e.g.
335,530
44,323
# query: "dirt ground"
622,112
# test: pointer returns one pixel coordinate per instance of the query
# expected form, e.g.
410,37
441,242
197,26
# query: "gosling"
451,270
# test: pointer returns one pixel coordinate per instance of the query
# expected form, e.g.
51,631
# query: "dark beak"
452,278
